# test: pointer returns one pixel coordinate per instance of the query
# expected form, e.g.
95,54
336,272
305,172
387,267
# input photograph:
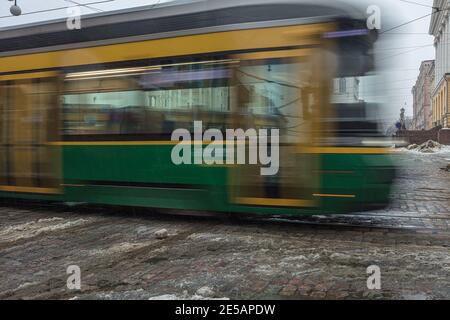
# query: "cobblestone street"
208,257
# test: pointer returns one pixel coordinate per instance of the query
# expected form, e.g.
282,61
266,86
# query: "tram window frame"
219,119
219,67
293,110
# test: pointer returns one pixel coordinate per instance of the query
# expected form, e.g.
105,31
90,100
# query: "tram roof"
169,19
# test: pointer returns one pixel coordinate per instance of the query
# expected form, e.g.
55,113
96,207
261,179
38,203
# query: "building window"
342,85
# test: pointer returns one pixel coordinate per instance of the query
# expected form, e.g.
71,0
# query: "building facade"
440,29
422,111
346,90
431,77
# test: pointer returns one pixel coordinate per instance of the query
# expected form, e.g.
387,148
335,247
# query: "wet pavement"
203,257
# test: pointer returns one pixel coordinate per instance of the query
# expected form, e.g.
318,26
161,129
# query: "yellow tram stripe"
273,37
30,190
334,195
30,75
132,143
276,202
113,143
305,150
275,54
343,150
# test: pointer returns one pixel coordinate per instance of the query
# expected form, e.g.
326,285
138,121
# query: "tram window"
151,100
279,93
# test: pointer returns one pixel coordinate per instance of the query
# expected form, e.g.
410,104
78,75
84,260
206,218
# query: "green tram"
87,115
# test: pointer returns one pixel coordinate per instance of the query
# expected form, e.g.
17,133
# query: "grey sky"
398,52
29,6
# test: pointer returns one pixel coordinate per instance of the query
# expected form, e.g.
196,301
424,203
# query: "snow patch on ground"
166,297
119,248
26,285
264,269
186,296
308,271
203,293
207,237
443,150
429,147
34,228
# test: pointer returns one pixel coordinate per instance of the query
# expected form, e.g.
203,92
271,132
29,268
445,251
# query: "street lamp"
15,9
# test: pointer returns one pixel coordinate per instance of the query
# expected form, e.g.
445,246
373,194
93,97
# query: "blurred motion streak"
87,115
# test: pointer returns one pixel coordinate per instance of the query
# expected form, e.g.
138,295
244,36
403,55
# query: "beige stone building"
422,118
431,76
440,29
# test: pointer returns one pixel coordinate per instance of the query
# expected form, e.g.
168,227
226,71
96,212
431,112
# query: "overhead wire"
57,9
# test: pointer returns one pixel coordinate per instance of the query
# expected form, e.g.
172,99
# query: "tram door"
28,125
282,93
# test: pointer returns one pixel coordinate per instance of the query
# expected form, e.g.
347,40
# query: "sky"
399,52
